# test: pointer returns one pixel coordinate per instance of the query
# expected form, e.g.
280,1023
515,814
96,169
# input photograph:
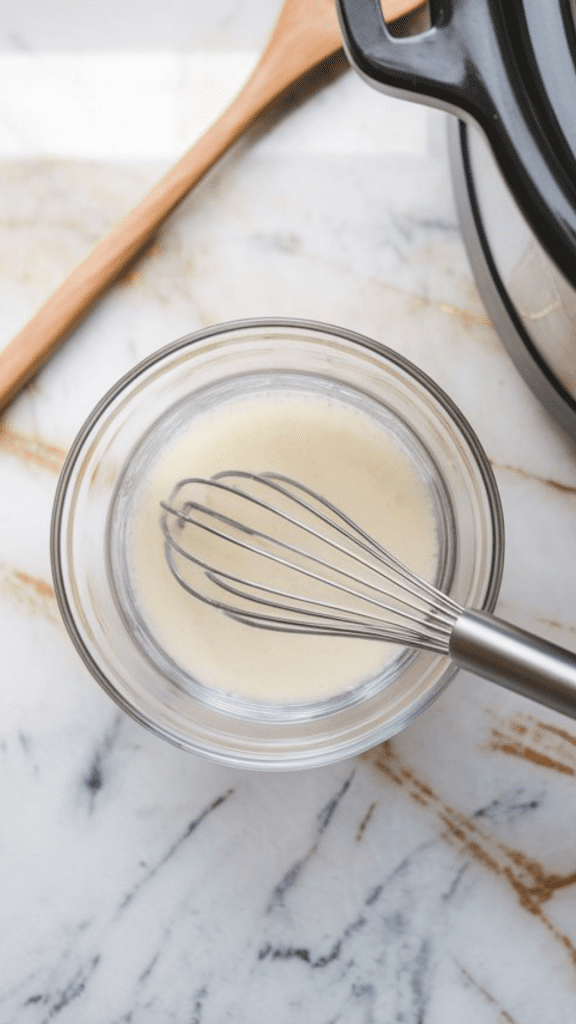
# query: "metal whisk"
273,554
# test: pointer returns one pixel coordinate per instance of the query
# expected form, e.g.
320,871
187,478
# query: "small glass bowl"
200,370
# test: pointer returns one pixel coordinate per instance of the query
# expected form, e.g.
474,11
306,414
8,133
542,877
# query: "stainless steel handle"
515,659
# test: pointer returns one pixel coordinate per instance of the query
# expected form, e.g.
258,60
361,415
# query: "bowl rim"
494,575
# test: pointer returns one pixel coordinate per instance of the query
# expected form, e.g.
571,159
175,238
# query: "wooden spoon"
305,34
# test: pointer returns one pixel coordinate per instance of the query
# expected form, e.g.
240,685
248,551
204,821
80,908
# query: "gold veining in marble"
31,450
504,1016
32,593
467,318
530,881
547,481
525,737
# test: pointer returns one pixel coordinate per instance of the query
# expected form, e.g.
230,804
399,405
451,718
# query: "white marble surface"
429,882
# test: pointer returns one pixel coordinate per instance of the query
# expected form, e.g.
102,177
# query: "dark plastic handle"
466,64
431,65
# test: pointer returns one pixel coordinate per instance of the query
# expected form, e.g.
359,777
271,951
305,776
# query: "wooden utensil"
305,34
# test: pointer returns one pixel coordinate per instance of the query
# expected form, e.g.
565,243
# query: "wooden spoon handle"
305,34
66,307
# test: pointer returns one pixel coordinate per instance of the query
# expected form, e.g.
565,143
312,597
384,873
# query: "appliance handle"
465,64
430,66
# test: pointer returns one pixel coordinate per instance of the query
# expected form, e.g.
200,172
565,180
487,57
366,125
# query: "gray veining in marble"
431,881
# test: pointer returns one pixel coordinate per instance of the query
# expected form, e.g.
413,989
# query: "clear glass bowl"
198,370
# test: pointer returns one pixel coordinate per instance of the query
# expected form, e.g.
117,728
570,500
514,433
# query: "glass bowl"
138,414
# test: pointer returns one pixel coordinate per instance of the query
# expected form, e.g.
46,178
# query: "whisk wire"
318,617
417,586
216,575
419,616
371,623
370,628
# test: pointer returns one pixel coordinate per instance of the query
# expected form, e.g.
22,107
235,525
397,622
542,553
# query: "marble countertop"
430,881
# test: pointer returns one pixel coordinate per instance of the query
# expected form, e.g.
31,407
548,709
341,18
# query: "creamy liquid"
328,445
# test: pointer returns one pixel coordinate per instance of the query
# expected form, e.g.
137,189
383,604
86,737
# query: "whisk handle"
515,659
